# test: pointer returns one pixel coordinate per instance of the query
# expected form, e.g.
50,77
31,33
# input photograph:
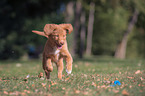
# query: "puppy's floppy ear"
49,28
67,27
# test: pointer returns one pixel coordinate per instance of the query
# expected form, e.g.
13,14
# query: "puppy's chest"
55,51
55,55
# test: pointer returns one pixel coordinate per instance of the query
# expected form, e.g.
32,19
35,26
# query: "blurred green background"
111,27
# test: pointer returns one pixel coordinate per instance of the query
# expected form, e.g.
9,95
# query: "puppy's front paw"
68,72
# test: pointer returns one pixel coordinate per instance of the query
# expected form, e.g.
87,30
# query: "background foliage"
18,18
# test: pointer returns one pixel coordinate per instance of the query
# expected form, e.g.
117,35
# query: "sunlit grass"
90,76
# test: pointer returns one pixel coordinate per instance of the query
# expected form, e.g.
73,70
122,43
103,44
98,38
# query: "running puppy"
55,49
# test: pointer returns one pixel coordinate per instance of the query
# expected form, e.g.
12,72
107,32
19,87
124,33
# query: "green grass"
89,77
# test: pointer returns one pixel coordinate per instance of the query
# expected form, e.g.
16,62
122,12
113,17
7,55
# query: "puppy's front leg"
69,61
47,66
60,68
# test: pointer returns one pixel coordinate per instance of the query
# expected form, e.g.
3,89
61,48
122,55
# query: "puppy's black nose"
61,43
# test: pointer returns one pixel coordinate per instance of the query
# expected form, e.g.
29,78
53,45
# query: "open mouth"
58,46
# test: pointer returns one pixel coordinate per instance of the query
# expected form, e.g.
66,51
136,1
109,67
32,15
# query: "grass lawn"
90,76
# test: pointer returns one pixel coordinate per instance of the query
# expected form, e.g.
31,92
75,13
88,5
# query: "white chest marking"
56,52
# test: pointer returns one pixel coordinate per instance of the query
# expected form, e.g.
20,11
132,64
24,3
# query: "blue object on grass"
116,82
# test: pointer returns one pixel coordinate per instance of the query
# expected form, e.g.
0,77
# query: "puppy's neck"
50,48
50,43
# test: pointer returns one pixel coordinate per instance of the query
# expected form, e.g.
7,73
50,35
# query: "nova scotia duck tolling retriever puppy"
55,49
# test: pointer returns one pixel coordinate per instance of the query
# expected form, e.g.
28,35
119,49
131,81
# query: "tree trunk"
69,16
76,27
69,12
90,28
121,49
82,34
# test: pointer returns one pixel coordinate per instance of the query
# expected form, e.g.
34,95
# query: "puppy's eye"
56,35
63,35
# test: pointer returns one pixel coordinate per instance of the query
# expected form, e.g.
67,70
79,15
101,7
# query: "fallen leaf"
53,83
98,86
85,93
5,92
67,78
85,75
141,91
63,88
27,91
141,79
36,90
12,93
137,72
49,94
97,75
23,93
116,78
40,75
43,84
15,87
94,84
98,79
16,93
33,85
27,87
124,92
107,82
77,91
103,86
115,91
130,77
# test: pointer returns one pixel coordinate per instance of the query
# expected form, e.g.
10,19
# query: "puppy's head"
57,33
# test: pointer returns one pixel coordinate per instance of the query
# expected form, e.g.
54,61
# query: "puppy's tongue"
59,47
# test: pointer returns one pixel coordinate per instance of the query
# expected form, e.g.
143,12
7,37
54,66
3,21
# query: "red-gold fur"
55,49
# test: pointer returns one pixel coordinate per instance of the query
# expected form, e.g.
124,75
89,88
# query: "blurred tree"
78,10
69,14
90,29
18,18
110,22
69,18
121,49
82,34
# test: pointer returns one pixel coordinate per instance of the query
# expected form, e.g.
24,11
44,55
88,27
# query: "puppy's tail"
39,33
